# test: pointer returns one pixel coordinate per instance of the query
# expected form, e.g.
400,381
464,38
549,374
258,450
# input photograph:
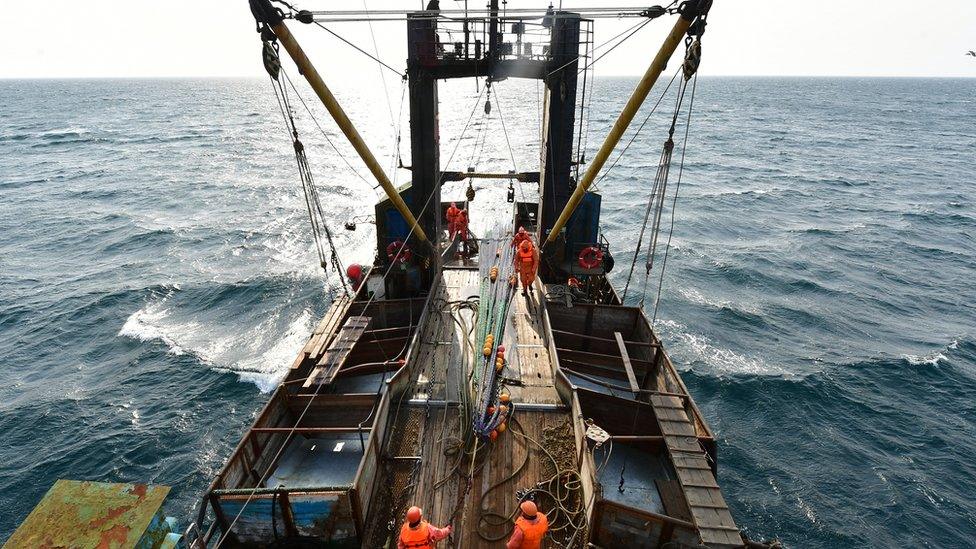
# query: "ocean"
157,276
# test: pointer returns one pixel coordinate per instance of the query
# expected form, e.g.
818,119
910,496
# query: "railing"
468,39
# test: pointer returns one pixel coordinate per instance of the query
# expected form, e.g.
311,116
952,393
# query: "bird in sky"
971,52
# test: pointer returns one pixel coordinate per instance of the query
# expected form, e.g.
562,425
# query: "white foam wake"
268,368
933,358
690,348
259,354
149,324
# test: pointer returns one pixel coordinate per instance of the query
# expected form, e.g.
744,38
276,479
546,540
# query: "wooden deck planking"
335,356
440,347
434,427
535,369
323,332
708,508
631,378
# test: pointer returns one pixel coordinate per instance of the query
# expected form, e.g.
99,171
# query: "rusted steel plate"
94,514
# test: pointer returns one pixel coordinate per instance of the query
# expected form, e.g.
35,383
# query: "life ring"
397,246
590,257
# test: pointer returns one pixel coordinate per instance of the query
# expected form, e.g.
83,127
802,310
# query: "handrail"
281,490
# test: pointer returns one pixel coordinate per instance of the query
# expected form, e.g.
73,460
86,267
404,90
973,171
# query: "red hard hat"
528,508
354,271
413,514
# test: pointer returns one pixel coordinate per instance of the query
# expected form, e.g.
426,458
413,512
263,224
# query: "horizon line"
261,77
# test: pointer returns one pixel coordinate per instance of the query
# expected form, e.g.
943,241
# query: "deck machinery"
375,413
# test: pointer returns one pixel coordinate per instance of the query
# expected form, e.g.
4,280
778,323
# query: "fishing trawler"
461,374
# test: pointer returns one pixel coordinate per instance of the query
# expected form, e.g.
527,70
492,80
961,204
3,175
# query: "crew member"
530,528
452,213
519,237
354,273
417,533
526,263
461,227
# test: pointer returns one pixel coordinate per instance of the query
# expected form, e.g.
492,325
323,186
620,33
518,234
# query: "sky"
201,38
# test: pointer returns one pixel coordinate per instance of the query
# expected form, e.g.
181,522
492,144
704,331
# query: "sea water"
157,278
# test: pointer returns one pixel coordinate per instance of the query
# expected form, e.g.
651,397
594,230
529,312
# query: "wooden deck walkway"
708,509
423,464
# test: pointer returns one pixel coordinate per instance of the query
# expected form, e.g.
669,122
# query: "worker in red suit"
526,263
452,213
519,237
461,228
417,533
354,273
529,529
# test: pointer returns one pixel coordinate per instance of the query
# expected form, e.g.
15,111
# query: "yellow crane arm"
305,66
653,72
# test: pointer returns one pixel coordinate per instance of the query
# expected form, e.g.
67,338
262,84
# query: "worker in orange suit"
526,263
520,235
452,213
461,228
530,528
417,533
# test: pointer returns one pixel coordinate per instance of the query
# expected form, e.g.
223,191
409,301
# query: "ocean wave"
933,358
213,325
63,136
149,324
695,348
270,367
742,192
828,231
73,131
695,296
139,240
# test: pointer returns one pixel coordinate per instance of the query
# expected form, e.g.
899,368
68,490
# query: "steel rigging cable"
313,204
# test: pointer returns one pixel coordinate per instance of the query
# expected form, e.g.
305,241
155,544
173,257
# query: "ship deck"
425,466
355,435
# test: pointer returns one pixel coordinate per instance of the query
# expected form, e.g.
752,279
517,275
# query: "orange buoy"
503,409
501,427
493,435
504,398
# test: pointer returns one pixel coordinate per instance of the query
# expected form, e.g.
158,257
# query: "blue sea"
157,276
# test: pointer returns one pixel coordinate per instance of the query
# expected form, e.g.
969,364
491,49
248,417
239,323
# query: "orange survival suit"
519,237
529,529
452,213
526,263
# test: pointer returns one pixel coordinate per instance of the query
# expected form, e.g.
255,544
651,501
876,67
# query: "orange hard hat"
354,271
528,508
413,514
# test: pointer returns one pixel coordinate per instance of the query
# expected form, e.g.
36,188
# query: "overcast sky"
145,38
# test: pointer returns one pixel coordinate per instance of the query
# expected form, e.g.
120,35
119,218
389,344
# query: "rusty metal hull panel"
95,514
325,517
